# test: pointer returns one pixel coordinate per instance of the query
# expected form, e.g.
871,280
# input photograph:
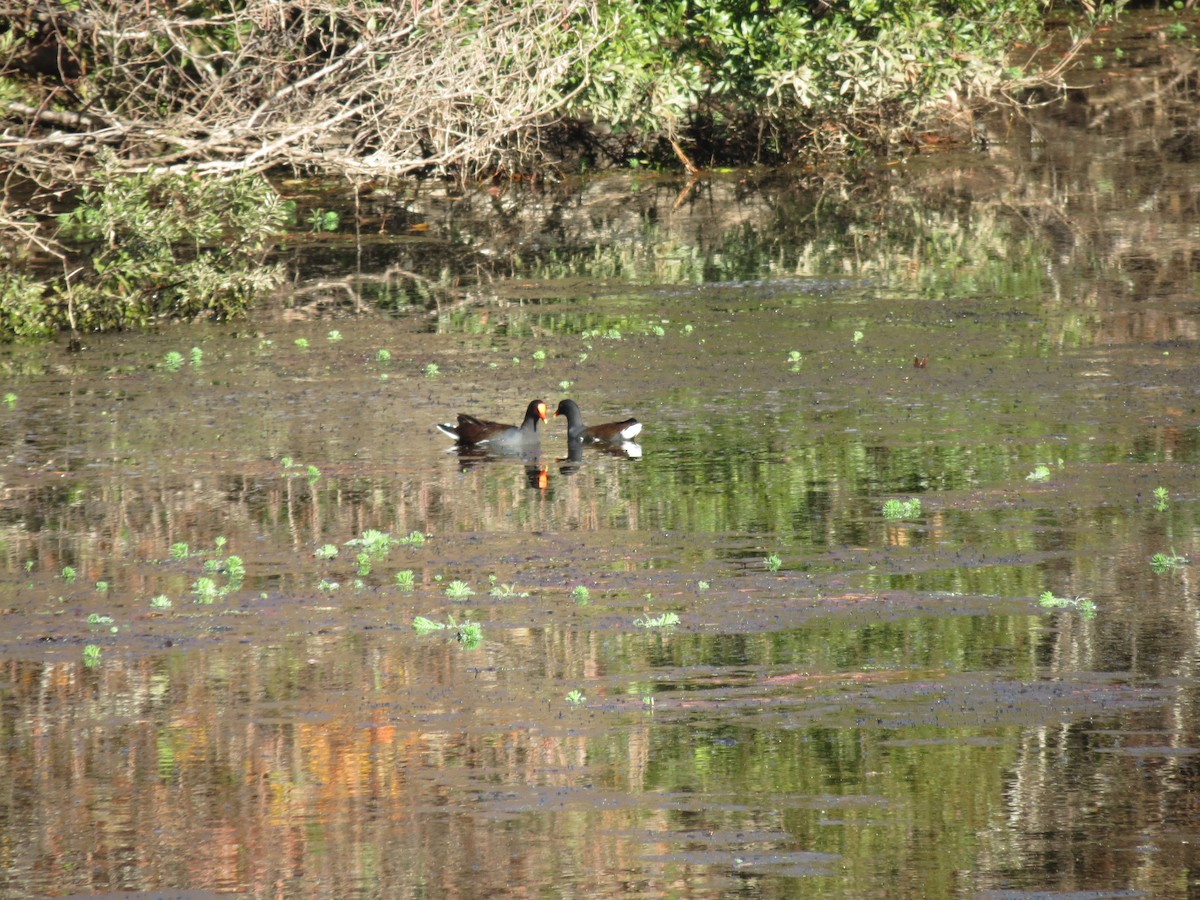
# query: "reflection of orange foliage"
897,536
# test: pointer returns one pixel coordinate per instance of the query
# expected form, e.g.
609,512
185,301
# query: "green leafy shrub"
24,312
729,72
166,244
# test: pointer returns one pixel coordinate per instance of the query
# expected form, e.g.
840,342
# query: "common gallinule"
608,433
470,430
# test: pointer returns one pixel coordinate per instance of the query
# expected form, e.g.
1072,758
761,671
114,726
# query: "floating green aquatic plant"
576,698
1162,563
160,602
326,220
91,656
580,594
68,574
10,399
377,543
470,634
179,550
507,590
1039,473
205,589
467,633
772,562
173,360
1160,498
405,579
302,343
422,625
432,370
197,356
1085,606
458,590
235,571
902,509
666,620
328,551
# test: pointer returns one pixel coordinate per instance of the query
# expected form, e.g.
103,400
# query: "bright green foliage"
324,220
902,509
164,244
206,590
467,633
1085,606
235,570
778,74
507,590
24,310
458,590
666,620
1162,563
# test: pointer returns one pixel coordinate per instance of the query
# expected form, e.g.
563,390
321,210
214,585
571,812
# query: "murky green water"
889,713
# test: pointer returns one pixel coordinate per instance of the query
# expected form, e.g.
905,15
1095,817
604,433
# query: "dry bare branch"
317,84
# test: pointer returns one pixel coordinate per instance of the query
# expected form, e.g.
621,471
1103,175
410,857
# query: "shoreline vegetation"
154,129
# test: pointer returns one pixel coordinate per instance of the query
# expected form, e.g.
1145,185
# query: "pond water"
859,699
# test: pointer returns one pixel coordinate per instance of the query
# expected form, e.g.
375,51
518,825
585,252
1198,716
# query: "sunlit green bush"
165,244
769,78
23,309
151,246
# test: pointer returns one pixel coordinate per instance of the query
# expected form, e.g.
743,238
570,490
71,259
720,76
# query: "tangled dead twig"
310,84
